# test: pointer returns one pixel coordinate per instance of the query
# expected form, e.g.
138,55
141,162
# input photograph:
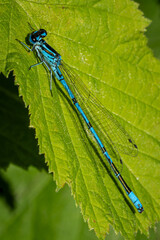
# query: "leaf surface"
105,44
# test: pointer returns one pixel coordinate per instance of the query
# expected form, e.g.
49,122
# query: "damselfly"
102,125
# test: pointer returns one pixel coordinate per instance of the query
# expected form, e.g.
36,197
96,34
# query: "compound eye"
43,33
37,36
33,38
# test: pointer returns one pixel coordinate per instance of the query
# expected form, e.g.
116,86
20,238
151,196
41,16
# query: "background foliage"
30,197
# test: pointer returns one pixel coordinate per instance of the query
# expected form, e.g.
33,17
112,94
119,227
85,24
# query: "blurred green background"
151,10
29,206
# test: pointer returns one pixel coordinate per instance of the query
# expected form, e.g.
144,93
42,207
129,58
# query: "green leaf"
42,213
104,42
49,220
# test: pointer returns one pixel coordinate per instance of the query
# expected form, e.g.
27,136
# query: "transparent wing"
110,131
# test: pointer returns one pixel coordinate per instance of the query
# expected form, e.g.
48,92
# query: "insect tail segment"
136,202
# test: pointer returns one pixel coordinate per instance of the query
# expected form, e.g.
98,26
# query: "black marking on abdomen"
74,101
103,149
89,125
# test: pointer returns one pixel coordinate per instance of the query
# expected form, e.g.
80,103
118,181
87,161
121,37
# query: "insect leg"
50,75
35,65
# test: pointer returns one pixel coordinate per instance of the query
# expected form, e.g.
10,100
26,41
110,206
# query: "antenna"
31,27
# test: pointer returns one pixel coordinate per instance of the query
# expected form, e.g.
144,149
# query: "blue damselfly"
102,125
